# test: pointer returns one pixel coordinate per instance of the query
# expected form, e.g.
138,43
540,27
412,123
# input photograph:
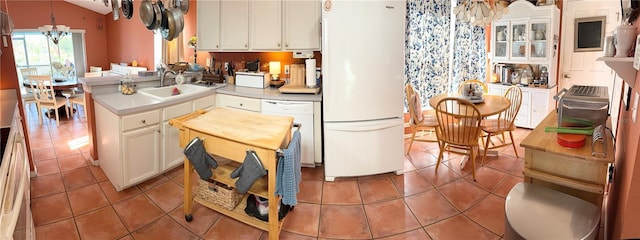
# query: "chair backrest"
514,94
28,71
458,122
414,102
42,88
485,89
93,74
95,69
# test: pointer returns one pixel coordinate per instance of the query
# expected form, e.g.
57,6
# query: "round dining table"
490,105
59,84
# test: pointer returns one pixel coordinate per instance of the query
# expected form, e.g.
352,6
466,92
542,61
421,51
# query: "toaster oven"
583,106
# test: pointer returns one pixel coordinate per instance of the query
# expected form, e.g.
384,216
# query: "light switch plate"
635,107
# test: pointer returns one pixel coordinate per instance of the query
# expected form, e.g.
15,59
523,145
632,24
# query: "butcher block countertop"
255,129
538,139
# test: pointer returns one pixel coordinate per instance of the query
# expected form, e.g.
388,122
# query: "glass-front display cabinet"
501,42
518,40
538,39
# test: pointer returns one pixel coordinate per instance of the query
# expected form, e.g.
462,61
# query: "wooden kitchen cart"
574,171
229,134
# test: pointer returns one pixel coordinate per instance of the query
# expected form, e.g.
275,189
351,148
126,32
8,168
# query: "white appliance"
363,77
253,80
302,112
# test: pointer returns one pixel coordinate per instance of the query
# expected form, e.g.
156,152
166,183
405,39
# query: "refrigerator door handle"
362,128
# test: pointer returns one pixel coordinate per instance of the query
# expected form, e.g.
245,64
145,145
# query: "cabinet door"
518,37
141,154
500,36
523,119
266,25
539,46
302,25
171,151
208,25
234,25
540,107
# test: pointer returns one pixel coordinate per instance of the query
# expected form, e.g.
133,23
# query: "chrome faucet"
163,74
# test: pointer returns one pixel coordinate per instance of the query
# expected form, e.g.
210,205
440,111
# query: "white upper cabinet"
258,25
302,25
526,34
234,25
208,25
266,25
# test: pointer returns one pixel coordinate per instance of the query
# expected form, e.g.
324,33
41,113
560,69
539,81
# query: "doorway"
581,67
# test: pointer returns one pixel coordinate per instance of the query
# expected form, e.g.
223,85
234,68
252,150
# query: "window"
31,49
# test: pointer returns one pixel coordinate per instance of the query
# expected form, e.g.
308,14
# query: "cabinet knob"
143,121
278,44
286,45
245,45
241,105
216,46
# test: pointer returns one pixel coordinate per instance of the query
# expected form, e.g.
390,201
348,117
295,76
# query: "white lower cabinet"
536,104
239,103
136,147
141,152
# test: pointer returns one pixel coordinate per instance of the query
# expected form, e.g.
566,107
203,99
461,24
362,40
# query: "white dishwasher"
302,112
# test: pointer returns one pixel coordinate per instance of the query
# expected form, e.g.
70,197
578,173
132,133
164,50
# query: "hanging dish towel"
288,174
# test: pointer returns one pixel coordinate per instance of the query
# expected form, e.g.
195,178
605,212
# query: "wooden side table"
573,171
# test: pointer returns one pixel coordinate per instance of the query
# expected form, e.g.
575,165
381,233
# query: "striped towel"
288,173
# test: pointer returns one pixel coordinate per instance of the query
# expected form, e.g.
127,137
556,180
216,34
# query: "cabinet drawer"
176,110
140,120
249,104
204,103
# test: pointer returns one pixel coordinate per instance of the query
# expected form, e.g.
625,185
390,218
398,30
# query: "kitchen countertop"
121,104
127,104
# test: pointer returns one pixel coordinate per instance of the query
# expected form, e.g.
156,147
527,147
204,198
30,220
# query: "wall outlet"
286,69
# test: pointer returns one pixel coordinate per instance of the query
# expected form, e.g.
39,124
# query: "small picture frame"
636,54
589,34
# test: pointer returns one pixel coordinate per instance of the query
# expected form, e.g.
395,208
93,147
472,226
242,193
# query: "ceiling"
93,5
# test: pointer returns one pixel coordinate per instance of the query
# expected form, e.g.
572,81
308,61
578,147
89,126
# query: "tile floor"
73,200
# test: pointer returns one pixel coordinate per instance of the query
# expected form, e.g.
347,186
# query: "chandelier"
480,12
53,31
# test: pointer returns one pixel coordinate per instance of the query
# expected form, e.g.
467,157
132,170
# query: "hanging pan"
147,14
127,8
116,9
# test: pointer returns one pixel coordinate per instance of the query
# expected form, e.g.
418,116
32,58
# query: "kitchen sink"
168,92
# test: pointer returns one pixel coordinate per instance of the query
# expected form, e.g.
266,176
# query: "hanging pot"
127,8
147,14
175,24
183,5
116,9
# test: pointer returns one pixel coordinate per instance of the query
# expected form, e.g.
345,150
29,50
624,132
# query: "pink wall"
33,14
623,207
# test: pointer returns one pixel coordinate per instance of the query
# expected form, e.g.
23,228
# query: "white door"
581,68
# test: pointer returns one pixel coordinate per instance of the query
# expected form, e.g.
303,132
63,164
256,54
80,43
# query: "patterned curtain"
469,57
427,46
427,52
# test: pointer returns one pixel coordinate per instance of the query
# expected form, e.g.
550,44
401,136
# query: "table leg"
188,196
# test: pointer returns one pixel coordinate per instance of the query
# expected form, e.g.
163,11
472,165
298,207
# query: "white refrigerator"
363,77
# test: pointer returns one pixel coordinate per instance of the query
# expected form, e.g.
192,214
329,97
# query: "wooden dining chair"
482,84
42,88
422,122
27,97
503,123
458,128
